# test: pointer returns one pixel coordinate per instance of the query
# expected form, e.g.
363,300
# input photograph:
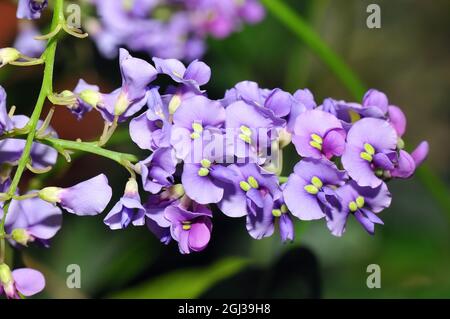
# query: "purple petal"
287,230
202,189
302,205
334,143
41,219
199,236
172,67
405,166
376,98
136,75
87,198
28,281
358,168
261,225
379,133
198,72
397,119
420,153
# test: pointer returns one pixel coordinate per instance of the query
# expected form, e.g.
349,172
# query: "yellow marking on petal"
245,138
284,209
316,145
206,163
369,149
174,103
276,212
253,182
177,74
366,156
203,172
186,226
360,201
246,130
354,116
311,189
353,206
195,135
245,186
197,127
316,138
316,182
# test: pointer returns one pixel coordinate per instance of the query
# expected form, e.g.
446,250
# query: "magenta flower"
84,199
362,202
310,189
20,282
128,210
30,9
318,134
190,228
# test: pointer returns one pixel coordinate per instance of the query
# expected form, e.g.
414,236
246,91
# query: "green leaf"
186,283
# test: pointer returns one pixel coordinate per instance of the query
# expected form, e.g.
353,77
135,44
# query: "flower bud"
50,194
90,97
21,236
5,274
131,188
8,55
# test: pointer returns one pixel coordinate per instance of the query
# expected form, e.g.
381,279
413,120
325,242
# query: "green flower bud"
50,194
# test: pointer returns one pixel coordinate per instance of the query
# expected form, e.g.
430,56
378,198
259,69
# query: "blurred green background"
408,58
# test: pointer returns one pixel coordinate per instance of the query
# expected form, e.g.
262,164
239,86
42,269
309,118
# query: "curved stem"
46,89
91,147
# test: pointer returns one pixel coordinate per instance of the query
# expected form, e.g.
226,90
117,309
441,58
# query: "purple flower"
88,97
247,190
195,75
26,43
362,202
151,130
192,119
252,129
204,171
84,199
397,119
309,190
304,100
371,149
317,134
157,170
22,281
263,223
32,220
128,209
31,9
155,208
132,96
190,228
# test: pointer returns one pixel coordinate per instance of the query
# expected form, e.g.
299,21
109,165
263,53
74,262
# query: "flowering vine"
204,156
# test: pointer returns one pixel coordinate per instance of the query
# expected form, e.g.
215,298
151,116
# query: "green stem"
304,32
91,147
46,89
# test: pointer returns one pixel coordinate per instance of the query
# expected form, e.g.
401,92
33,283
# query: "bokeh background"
408,58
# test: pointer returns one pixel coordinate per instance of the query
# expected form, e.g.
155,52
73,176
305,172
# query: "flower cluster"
204,156
216,155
